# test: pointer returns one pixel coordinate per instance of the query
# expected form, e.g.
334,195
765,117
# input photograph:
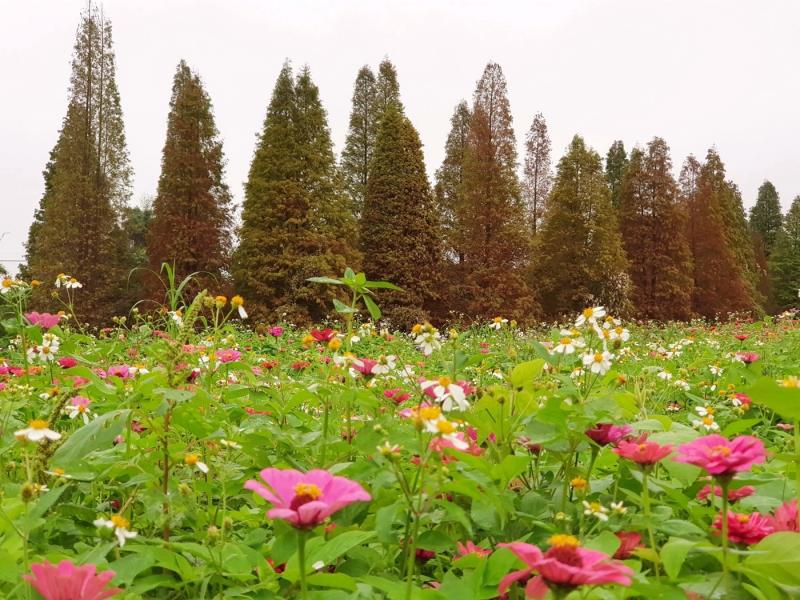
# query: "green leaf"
777,557
606,542
97,434
526,372
673,555
329,280
128,567
373,309
383,285
341,307
782,400
339,581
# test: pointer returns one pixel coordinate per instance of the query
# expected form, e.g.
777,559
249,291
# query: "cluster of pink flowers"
228,355
745,528
396,395
65,581
43,320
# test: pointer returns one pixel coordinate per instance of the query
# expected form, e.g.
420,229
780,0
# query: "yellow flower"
579,483
334,344
237,301
220,301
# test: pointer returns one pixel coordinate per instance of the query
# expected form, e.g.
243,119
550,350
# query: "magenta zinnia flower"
745,529
785,517
44,320
228,355
721,457
564,566
604,434
733,495
643,453
66,581
306,499
121,371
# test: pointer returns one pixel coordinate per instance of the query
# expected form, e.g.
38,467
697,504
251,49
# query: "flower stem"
647,516
724,483
797,467
301,557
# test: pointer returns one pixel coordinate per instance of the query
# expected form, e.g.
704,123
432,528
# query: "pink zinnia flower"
67,362
65,581
43,320
643,453
628,542
721,457
396,395
745,529
276,331
785,517
604,434
366,366
565,565
733,495
121,371
306,499
326,335
469,547
228,355
747,358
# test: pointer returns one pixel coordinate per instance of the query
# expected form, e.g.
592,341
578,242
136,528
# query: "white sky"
696,72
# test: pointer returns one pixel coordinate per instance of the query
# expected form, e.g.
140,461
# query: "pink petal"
512,578
536,588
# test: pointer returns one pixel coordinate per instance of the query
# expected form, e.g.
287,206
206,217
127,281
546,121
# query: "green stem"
325,418
647,516
797,466
724,483
301,557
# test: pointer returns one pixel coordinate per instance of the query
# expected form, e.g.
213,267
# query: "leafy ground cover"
197,458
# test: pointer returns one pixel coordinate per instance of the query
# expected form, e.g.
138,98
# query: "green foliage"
580,258
616,164
400,224
765,215
296,221
784,262
360,142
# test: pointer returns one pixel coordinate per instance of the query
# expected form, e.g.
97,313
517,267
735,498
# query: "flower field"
195,455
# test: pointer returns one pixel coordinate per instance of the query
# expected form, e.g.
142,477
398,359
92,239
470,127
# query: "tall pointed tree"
360,141
295,221
537,175
581,261
450,182
765,215
192,212
719,285
400,233
616,162
490,279
387,87
87,182
784,261
653,227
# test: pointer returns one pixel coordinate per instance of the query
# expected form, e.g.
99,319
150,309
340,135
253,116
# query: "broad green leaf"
782,400
373,309
97,434
673,555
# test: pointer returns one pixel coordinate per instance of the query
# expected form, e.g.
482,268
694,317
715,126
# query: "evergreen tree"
653,227
538,177
784,262
450,182
765,215
400,235
492,235
87,182
616,162
295,221
719,286
387,88
192,212
360,142
581,261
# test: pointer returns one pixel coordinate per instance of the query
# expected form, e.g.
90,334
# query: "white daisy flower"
119,525
37,431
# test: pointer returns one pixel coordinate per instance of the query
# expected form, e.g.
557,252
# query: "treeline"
496,233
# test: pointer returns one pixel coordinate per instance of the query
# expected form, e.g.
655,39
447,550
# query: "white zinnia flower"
37,431
590,315
598,362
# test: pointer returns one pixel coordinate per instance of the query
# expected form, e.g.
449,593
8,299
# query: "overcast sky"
696,72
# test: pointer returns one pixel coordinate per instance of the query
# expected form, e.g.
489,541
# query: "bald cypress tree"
360,142
784,261
537,175
192,212
295,221
387,87
653,227
765,215
491,220
400,232
449,189
581,261
616,163
87,182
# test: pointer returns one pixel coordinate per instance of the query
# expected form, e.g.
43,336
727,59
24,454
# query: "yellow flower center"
38,424
307,490
430,413
416,328
221,301
588,312
790,382
709,420
237,301
595,507
120,522
58,471
191,459
565,341
743,518
720,450
335,344
562,540
598,357
445,427
445,381
578,483
7,283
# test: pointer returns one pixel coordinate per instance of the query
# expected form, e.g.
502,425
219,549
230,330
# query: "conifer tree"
192,212
400,234
387,87
616,162
492,235
784,262
719,286
449,187
295,221
765,215
653,228
360,141
87,182
581,261
537,175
